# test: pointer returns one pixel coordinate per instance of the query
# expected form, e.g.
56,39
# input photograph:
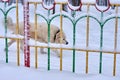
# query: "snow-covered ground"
13,72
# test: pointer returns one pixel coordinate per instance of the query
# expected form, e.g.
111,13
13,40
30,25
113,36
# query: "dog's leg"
56,51
22,45
10,43
42,51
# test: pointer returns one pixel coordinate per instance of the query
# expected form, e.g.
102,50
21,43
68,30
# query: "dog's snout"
66,43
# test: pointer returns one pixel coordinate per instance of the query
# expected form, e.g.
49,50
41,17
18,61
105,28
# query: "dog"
42,33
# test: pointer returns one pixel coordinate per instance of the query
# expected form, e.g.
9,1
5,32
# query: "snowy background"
13,72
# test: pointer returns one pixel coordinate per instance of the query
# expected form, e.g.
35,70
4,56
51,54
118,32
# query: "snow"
61,1
8,35
48,6
35,0
12,71
115,1
21,73
88,1
73,7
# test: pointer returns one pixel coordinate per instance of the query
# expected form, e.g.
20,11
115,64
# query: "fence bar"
11,37
77,49
17,32
6,39
48,40
87,38
74,39
61,30
36,52
115,41
36,57
101,43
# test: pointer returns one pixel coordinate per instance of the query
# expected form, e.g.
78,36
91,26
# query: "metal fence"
74,21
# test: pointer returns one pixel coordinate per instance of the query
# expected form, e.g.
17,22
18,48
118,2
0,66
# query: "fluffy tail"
9,21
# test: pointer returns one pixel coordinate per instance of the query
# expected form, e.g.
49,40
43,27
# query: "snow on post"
5,0
48,4
26,34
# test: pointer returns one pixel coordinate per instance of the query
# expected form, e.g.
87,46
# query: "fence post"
115,41
48,40
101,43
61,22
17,32
74,37
87,37
6,39
26,34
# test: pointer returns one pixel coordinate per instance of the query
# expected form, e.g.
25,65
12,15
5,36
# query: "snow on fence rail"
73,47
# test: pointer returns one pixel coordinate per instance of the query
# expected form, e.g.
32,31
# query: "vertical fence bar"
74,41
87,38
101,43
36,57
48,40
6,39
73,60
36,52
26,34
115,41
61,22
17,32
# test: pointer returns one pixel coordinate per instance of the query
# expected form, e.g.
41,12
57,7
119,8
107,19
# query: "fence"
74,21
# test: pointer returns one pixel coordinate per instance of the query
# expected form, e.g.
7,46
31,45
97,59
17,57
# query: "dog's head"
60,39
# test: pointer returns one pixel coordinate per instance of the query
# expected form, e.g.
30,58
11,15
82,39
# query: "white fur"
42,33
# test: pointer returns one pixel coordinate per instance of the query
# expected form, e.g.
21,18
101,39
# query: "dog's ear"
58,35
